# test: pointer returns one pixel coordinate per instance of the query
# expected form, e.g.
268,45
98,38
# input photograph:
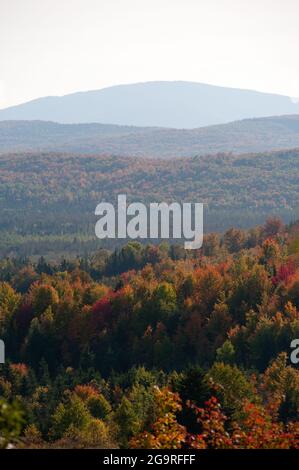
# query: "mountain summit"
162,104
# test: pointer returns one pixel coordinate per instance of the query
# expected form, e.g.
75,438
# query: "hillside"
148,344
47,200
163,104
250,135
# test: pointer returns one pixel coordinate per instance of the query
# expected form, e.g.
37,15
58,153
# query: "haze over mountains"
160,104
243,170
250,135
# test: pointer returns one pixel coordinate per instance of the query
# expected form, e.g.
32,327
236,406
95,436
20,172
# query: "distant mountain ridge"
250,135
159,104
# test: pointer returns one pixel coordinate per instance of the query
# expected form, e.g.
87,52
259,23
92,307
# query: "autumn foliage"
155,347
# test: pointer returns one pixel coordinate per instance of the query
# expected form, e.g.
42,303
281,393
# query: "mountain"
250,135
159,104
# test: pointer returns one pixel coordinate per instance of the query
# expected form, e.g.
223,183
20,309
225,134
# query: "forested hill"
250,135
47,200
147,346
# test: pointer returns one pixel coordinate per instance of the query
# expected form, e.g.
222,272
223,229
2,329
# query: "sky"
56,47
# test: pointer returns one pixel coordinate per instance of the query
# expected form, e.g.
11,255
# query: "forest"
247,135
48,200
154,347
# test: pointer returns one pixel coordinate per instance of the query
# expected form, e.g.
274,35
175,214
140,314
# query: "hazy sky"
54,47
